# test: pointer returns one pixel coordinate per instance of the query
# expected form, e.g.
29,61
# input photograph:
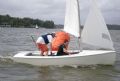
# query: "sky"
55,9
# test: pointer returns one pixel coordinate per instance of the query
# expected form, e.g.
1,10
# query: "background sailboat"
36,26
72,26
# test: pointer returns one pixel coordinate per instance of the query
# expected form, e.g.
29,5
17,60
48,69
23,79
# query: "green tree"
48,24
24,22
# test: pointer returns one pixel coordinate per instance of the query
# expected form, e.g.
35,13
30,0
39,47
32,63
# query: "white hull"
87,57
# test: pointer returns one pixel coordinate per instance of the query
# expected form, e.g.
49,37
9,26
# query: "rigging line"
34,42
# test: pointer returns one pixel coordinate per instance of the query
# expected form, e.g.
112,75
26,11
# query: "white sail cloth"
72,20
95,31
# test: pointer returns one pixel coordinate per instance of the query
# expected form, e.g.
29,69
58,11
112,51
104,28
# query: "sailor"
59,39
43,41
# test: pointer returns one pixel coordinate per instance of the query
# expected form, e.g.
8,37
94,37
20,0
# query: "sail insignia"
105,36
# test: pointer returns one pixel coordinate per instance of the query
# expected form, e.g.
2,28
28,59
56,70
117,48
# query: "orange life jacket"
59,39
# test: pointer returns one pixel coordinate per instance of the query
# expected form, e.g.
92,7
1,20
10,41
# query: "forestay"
95,31
72,22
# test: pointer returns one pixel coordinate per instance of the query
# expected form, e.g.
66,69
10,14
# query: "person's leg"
39,45
65,53
45,49
46,53
60,51
42,53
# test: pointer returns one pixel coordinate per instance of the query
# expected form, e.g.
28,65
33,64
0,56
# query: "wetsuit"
61,50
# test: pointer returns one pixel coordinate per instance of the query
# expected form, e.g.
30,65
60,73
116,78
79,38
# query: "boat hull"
86,57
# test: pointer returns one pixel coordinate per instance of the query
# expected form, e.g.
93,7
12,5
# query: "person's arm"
65,50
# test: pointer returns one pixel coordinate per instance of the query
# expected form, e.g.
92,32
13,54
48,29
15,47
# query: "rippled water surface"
13,40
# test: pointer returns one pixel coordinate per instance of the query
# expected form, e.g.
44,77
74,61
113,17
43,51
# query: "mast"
79,38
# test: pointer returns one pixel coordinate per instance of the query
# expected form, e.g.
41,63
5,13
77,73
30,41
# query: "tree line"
24,22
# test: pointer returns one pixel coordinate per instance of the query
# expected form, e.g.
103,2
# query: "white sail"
72,22
95,31
36,26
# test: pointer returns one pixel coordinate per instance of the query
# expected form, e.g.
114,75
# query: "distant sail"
95,31
72,20
36,26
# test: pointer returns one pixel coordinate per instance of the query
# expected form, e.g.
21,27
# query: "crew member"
43,41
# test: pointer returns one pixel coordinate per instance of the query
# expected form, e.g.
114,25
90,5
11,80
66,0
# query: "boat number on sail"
105,36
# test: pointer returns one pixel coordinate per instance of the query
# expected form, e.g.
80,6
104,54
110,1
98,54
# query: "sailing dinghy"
95,33
36,26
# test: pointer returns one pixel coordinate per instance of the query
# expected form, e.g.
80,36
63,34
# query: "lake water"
13,40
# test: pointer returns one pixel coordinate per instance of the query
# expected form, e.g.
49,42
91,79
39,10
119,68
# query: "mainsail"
72,18
95,31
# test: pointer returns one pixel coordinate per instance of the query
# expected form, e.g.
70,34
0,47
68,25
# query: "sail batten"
72,20
95,31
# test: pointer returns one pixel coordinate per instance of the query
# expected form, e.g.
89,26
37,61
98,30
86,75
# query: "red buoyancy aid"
60,38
